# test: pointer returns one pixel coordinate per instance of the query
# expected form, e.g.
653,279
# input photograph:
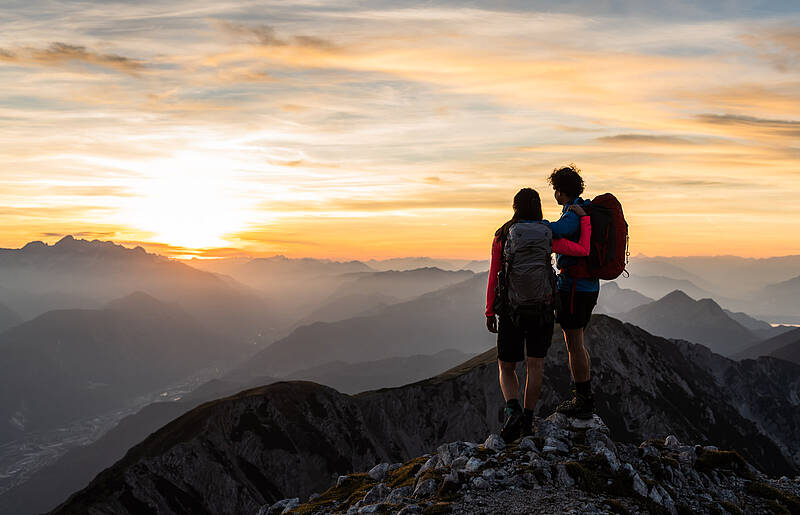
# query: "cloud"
779,46
647,138
776,127
58,53
265,35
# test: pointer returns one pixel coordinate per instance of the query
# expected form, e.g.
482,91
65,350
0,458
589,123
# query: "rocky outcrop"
568,466
286,440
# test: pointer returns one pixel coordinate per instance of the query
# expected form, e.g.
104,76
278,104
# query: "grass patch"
708,461
352,489
786,501
406,474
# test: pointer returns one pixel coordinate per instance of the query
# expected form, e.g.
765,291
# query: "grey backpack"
529,278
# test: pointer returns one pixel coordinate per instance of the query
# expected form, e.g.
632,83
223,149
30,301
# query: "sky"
357,130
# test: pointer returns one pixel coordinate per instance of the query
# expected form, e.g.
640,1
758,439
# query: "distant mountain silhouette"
789,352
86,274
384,373
782,299
659,286
449,318
348,306
293,287
727,276
613,299
762,330
232,455
8,317
403,285
410,263
68,364
677,315
784,346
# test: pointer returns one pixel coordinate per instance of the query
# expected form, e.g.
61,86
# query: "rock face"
587,473
242,453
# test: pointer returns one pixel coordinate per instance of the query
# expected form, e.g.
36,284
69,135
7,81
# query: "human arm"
494,268
568,224
579,248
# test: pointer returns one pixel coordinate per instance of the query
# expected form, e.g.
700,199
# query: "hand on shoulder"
578,210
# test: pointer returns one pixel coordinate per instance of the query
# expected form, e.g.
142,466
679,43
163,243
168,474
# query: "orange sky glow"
351,132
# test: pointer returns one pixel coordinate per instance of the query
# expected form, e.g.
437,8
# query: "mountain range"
784,346
677,315
76,273
449,318
234,454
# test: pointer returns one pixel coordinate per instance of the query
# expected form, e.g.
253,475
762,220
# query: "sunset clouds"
385,129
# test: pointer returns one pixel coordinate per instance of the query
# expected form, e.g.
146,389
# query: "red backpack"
609,244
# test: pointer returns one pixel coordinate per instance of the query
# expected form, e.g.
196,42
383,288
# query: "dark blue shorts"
530,336
575,308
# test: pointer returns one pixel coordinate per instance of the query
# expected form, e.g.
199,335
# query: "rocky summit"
568,466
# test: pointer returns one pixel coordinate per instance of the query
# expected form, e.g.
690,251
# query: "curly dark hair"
567,180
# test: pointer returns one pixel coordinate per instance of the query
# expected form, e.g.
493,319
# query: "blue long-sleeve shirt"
568,226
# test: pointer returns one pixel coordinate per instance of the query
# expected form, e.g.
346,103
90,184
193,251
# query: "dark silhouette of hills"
8,317
762,330
659,286
411,263
238,453
613,299
789,352
782,299
293,288
450,318
677,315
727,276
390,372
348,306
784,346
86,274
67,364
403,285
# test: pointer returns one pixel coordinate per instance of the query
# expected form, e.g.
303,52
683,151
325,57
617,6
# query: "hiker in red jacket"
521,268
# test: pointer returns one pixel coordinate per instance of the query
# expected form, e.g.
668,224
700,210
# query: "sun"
191,200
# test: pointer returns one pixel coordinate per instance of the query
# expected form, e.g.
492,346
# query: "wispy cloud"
266,35
59,53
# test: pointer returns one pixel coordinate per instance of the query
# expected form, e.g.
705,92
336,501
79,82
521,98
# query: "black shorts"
575,308
531,336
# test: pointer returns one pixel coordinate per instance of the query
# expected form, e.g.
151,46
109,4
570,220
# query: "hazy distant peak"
137,301
676,296
66,240
34,245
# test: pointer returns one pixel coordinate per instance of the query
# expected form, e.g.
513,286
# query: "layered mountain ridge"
290,439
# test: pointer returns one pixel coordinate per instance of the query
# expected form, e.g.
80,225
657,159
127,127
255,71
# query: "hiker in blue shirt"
576,297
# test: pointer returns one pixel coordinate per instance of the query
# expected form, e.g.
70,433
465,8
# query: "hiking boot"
580,406
512,425
527,426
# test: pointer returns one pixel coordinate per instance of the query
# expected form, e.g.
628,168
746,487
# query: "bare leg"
579,363
533,383
509,383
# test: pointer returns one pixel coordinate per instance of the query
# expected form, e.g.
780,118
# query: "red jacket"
560,246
